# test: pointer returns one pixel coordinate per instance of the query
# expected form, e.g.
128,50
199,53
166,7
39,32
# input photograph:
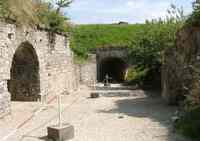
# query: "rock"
94,95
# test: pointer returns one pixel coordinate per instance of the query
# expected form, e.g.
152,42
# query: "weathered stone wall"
88,74
56,67
111,52
181,66
4,98
77,72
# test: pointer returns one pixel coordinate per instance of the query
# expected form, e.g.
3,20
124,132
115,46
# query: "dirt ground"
140,116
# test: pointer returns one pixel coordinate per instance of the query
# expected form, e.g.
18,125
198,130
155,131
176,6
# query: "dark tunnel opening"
24,84
115,68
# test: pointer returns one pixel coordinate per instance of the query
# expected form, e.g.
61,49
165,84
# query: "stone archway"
114,67
24,84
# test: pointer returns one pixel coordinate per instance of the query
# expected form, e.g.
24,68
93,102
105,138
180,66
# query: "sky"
113,11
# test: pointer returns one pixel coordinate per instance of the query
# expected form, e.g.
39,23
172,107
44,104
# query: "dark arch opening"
24,84
114,67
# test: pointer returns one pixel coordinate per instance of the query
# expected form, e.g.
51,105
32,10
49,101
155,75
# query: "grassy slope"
88,37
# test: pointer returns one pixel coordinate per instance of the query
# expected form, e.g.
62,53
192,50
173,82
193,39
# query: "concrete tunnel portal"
114,67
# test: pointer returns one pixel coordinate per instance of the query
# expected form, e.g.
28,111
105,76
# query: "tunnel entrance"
24,84
114,67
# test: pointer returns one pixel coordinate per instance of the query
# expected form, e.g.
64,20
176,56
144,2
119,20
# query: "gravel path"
138,117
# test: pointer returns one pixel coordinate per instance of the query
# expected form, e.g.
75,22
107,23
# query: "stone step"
112,93
115,87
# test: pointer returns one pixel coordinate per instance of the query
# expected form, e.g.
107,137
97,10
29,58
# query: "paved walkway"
137,117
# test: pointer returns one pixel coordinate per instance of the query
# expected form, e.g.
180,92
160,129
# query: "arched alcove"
114,67
24,84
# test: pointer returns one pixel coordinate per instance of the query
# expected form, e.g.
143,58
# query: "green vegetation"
51,19
194,18
136,75
153,36
145,42
89,37
35,13
189,125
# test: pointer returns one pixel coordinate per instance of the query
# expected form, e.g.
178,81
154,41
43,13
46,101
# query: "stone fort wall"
88,71
57,71
180,72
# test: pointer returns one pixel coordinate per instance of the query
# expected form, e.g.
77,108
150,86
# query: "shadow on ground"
44,138
149,106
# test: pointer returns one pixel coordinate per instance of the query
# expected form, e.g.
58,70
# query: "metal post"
60,110
61,132
44,100
94,85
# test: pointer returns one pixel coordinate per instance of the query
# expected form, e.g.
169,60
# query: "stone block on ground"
107,85
94,95
64,133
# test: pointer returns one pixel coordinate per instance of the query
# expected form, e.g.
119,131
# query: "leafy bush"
53,21
194,18
35,13
136,75
52,18
189,125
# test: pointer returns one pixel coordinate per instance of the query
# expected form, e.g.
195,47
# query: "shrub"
137,75
194,18
34,13
53,21
189,125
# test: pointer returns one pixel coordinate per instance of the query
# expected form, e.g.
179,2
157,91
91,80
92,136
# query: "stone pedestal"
56,133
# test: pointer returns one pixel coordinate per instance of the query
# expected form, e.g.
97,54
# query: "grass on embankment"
145,42
88,37
85,38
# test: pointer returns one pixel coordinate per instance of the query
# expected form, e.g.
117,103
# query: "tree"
194,18
62,4
51,17
196,6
